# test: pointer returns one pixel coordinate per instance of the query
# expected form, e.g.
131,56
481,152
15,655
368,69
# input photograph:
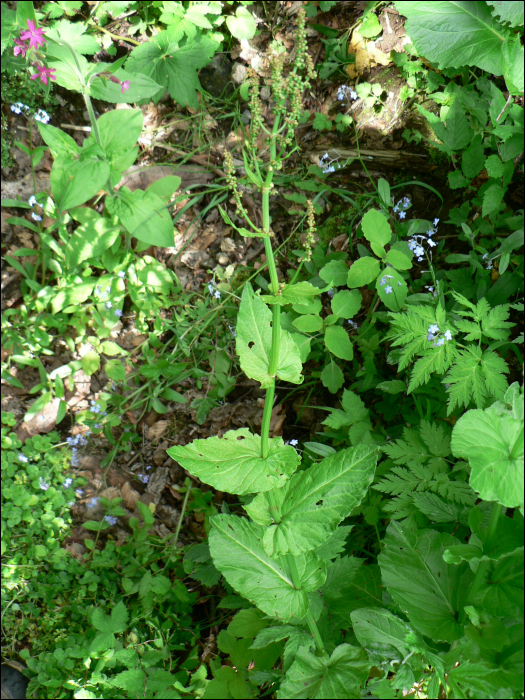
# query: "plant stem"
92,118
182,512
276,309
309,617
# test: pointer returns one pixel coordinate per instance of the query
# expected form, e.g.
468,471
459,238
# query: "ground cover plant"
297,469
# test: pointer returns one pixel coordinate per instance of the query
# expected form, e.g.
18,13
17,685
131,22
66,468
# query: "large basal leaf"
381,633
492,441
455,34
237,551
254,343
303,514
429,591
173,66
301,293
233,463
340,676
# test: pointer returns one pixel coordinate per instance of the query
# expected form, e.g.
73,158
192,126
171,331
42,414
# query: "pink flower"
124,86
35,36
44,73
20,48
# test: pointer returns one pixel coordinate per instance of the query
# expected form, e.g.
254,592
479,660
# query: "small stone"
222,259
265,93
246,116
238,74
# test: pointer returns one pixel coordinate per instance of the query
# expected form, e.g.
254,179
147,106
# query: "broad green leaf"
58,141
90,240
237,551
492,199
243,25
381,633
392,289
473,158
350,586
332,377
369,29
75,293
512,62
492,442
144,215
340,676
254,342
494,166
501,591
75,180
308,324
398,260
166,187
233,463
430,592
306,510
303,342
301,293
119,131
455,34
337,341
141,87
247,623
376,229
384,190
171,66
395,386
510,11
346,304
91,362
335,272
362,272
457,133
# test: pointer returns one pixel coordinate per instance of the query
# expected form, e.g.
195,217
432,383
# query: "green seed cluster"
229,168
310,234
255,108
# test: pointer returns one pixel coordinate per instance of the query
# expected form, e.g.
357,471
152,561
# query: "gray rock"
265,93
238,73
246,116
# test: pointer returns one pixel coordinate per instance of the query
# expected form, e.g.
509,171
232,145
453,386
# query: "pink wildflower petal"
20,48
34,34
44,73
124,86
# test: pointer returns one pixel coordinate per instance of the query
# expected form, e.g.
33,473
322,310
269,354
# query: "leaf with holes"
306,510
233,463
254,343
237,551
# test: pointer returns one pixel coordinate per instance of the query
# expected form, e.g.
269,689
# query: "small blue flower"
330,293
353,325
35,217
79,493
448,335
68,482
32,201
431,243
402,214
110,519
434,328
147,468
293,443
440,342
93,502
436,222
42,116
144,478
43,485
388,290
22,457
121,274
108,305
118,313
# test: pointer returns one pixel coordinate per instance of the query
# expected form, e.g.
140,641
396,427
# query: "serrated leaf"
430,592
455,34
113,624
381,633
473,159
354,406
270,635
234,463
334,545
493,445
173,67
308,508
475,376
342,675
346,304
492,199
247,623
494,166
395,386
362,272
237,551
337,341
254,342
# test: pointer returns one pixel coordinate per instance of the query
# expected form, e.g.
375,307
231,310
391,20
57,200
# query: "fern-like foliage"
426,483
473,374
